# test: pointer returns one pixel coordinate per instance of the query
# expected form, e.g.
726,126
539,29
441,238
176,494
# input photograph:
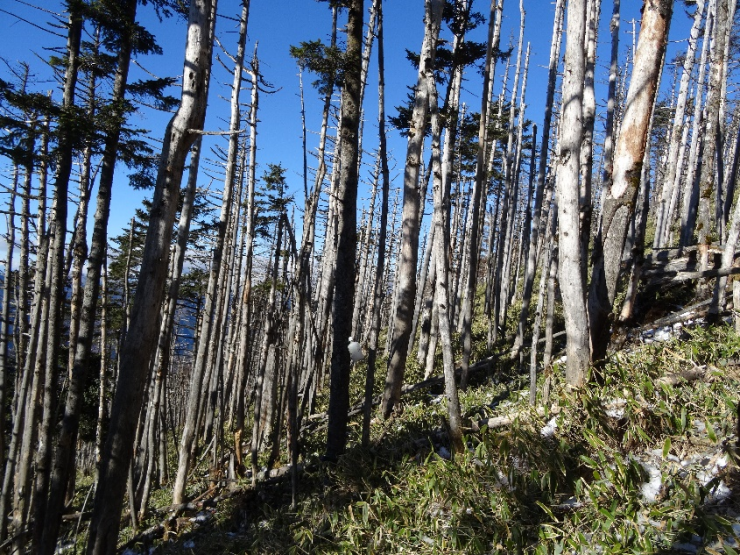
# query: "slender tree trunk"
670,189
5,336
539,225
217,273
711,162
378,291
441,207
141,339
572,285
48,515
406,267
481,180
336,440
691,189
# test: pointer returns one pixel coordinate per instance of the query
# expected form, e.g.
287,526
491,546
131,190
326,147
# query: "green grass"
513,490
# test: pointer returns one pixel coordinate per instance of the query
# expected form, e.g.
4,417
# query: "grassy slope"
515,490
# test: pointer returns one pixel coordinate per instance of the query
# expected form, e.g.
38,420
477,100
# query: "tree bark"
344,289
621,191
407,265
142,335
571,263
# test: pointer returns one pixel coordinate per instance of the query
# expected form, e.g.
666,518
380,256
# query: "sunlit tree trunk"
441,244
481,181
216,280
571,264
711,163
670,189
142,336
407,264
690,196
620,192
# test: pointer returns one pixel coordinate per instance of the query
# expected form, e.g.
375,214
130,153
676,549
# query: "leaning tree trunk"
406,267
215,279
621,191
141,338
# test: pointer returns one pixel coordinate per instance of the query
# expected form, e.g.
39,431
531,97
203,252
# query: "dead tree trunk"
621,191
141,339
407,264
572,285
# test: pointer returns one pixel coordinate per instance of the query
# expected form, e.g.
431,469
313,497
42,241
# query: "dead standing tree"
406,268
620,193
141,338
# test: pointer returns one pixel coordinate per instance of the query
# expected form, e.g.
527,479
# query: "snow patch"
652,488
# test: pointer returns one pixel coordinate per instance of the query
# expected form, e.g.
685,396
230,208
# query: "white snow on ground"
651,489
548,430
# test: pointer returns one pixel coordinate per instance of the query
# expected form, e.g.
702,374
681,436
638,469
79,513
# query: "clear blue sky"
276,25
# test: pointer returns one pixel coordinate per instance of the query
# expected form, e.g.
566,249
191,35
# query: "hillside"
640,461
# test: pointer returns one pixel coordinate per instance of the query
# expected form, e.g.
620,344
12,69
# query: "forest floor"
642,460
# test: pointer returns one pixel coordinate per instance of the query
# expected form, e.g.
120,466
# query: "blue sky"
276,25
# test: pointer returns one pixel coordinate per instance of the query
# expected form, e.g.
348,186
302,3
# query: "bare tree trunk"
5,336
441,206
243,362
217,273
669,193
141,339
406,267
711,162
621,191
481,179
538,312
691,187
378,291
539,225
572,285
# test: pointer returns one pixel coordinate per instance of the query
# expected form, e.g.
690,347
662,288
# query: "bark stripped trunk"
216,276
571,264
621,191
406,268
